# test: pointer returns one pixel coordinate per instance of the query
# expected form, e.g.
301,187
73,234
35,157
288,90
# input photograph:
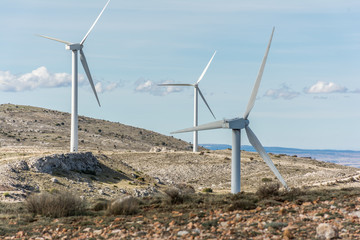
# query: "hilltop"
45,128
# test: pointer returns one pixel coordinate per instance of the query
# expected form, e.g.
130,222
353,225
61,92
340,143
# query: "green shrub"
207,190
126,205
265,179
55,205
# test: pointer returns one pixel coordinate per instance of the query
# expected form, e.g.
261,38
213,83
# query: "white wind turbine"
75,47
236,125
196,91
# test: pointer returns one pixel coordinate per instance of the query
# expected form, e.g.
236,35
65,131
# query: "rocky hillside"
32,126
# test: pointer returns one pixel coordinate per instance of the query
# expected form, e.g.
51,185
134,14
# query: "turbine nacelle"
74,47
236,123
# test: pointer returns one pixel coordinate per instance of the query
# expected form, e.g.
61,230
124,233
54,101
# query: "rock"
134,175
355,214
158,180
287,234
182,233
145,192
54,180
326,231
97,232
196,231
224,224
101,192
78,162
115,231
160,149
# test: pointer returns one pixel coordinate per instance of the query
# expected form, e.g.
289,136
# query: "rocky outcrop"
77,162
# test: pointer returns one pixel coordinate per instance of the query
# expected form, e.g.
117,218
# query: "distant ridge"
343,157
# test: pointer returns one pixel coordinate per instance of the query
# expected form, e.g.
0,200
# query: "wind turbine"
236,124
75,47
196,92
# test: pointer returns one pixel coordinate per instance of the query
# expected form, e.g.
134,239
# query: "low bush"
265,179
242,204
55,205
175,196
207,190
185,189
126,205
268,190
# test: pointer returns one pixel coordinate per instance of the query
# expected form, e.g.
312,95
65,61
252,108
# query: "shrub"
242,204
268,190
207,190
55,205
185,189
101,204
266,179
292,194
126,205
175,195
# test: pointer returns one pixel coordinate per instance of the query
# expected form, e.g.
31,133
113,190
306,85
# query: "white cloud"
326,87
284,92
106,87
38,78
151,87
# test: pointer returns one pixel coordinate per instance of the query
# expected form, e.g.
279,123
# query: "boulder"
326,231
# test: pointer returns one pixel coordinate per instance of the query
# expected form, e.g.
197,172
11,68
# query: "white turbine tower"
196,91
75,47
236,125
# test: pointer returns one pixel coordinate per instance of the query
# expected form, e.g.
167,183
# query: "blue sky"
309,96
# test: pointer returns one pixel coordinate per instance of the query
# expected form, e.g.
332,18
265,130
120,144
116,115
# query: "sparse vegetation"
174,196
127,205
207,190
266,179
268,190
55,204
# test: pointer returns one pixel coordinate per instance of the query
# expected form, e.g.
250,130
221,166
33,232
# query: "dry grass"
55,205
127,205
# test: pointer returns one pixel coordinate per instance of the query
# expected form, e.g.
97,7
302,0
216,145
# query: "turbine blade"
206,68
54,39
202,96
258,79
92,26
260,149
207,126
87,71
175,84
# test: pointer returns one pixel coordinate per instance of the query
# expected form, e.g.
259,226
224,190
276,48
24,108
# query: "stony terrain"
122,160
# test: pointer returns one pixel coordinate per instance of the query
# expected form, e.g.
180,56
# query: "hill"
30,137
39,127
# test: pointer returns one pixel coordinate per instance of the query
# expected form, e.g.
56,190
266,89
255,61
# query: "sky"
309,95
